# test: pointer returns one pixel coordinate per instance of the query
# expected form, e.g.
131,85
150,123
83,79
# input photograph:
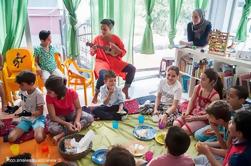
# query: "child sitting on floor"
119,156
65,113
112,100
177,142
209,89
218,116
239,152
236,97
32,103
168,97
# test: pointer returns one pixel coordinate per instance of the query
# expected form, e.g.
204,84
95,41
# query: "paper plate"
99,156
144,132
137,149
160,138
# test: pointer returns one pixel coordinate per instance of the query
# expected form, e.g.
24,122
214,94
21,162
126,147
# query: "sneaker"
124,117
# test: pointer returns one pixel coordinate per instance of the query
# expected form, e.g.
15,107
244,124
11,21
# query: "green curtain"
72,41
175,7
147,46
201,4
123,13
13,18
241,34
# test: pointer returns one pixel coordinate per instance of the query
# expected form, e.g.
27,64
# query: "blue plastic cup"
141,119
185,80
115,124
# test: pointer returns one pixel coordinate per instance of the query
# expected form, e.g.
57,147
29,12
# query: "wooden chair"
79,76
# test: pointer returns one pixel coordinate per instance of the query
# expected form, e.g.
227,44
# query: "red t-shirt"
63,106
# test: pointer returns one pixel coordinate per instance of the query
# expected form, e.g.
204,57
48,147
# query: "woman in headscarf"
199,29
109,50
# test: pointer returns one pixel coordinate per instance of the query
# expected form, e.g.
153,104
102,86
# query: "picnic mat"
105,137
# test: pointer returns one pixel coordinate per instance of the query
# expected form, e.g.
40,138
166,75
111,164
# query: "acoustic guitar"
106,49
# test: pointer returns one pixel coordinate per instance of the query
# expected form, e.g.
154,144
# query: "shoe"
124,117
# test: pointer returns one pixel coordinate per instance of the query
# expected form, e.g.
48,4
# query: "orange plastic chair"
60,65
17,60
74,77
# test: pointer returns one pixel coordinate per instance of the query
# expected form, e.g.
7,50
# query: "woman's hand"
70,127
77,125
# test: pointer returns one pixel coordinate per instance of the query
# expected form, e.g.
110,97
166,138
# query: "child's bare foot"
95,98
125,90
57,138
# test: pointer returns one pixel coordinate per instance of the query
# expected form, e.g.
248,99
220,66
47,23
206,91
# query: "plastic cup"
141,119
161,125
115,124
14,149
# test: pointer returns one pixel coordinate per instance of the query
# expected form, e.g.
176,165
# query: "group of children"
222,126
65,113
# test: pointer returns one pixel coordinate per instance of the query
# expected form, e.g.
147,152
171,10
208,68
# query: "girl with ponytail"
209,90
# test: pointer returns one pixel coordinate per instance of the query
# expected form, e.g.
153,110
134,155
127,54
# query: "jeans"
107,113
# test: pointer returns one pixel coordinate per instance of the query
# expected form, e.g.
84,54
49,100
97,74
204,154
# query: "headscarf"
200,28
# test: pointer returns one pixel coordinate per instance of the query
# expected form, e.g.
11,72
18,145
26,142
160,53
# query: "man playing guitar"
109,50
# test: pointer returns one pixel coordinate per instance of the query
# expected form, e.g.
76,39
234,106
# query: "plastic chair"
60,65
79,76
17,60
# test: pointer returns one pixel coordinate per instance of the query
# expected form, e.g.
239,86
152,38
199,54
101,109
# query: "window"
160,28
47,15
236,19
84,33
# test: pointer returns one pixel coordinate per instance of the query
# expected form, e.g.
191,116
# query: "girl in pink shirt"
177,142
65,113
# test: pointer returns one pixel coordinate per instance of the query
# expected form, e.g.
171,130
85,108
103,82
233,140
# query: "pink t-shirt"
169,159
63,106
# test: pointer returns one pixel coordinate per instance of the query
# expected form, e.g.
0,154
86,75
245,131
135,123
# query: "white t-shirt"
30,102
116,97
169,92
